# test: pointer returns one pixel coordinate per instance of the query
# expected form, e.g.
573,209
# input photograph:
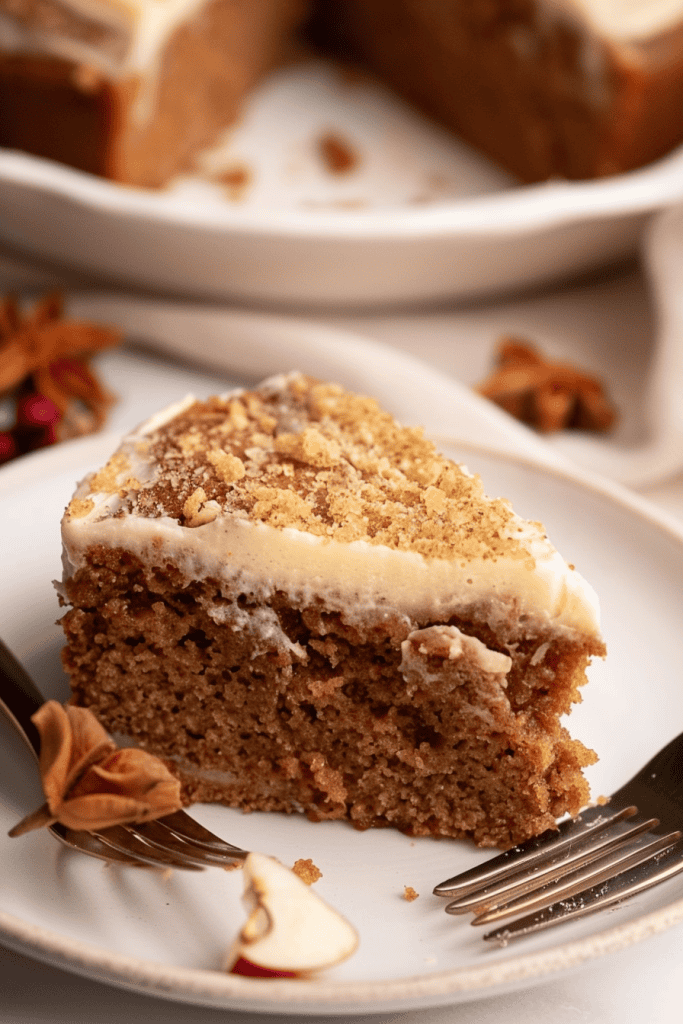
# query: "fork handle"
19,697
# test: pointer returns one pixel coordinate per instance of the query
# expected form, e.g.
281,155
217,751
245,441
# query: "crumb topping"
301,454
107,480
307,871
80,507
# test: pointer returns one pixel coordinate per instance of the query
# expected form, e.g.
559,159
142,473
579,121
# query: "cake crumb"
106,479
236,180
337,154
307,870
198,511
80,507
409,893
228,466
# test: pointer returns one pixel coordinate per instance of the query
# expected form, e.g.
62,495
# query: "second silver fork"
605,855
174,841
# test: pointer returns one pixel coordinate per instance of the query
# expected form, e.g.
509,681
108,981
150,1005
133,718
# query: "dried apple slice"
290,930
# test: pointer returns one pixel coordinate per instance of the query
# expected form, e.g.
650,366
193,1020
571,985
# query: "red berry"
8,448
36,410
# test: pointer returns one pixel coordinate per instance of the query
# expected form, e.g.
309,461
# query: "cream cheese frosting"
248,547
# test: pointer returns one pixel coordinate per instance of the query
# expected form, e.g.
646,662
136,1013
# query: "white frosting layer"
261,559
357,578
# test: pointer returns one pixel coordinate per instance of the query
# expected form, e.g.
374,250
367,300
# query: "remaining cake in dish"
133,89
547,88
307,608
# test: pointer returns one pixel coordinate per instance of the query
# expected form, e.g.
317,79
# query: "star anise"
548,396
88,782
47,387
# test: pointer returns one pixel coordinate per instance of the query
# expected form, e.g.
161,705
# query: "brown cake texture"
546,88
304,607
135,89
90,89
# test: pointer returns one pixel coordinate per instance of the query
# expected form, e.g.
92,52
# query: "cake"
135,89
132,89
546,88
304,607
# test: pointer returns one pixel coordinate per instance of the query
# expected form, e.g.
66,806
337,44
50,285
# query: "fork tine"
86,842
576,881
133,847
534,852
161,838
587,848
187,828
131,844
615,890
177,841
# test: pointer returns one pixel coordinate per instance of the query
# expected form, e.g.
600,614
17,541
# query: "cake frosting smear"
286,569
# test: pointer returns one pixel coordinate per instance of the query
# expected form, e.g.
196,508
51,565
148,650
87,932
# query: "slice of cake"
132,89
306,608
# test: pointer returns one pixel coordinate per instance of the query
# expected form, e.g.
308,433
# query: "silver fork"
607,854
174,841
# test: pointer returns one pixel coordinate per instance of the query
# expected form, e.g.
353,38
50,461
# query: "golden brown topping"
310,446
106,480
190,443
228,466
307,871
88,782
300,454
80,507
546,395
409,893
198,511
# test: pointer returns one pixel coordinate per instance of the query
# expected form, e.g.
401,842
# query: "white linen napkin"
255,345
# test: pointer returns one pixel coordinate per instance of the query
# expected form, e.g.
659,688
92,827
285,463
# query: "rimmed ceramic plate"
167,936
417,217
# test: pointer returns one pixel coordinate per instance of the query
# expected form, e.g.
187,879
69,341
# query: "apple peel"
290,931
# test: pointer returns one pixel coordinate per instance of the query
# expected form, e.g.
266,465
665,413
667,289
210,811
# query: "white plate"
167,937
421,218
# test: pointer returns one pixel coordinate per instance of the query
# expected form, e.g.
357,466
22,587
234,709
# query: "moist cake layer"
307,608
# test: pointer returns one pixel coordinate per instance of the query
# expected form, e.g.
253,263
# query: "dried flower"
89,783
45,375
546,395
